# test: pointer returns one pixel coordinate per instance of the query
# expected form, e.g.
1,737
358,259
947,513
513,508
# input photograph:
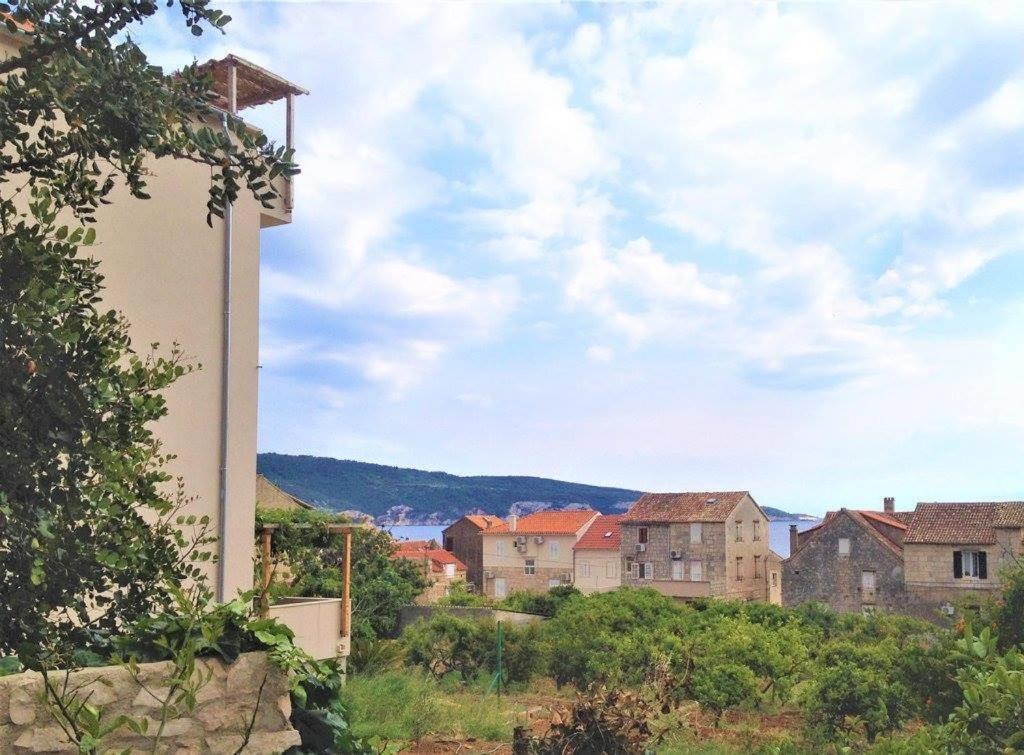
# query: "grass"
409,705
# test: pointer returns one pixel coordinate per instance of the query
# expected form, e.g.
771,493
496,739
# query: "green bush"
718,687
541,604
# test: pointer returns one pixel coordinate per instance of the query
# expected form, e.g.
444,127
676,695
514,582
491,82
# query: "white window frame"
611,569
696,533
634,570
969,557
696,574
553,548
648,570
585,569
843,546
499,548
677,570
449,570
530,566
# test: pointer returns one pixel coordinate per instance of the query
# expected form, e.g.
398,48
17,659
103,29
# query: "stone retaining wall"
225,706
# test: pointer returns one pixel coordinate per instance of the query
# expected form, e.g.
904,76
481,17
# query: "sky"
773,247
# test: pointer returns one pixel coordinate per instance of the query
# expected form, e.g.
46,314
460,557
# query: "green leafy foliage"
720,686
543,604
309,558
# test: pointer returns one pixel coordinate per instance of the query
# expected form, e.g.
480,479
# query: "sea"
778,532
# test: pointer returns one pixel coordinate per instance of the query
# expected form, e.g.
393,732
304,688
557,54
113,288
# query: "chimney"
794,539
889,505
513,522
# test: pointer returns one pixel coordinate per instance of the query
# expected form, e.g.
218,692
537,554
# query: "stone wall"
411,614
464,541
662,539
225,706
817,572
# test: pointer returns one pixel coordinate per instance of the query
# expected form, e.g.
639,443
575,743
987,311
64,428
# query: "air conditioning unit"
488,575
641,547
520,540
539,539
677,555
567,577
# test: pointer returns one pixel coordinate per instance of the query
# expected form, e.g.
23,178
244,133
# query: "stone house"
853,561
597,566
462,538
954,551
534,553
441,568
691,545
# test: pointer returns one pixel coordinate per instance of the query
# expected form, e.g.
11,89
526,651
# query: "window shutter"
958,564
982,565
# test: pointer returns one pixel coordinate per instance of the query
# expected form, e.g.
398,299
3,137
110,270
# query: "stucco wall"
604,567
225,706
816,572
510,566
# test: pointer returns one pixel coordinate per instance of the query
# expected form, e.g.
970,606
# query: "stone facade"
462,539
508,567
225,706
717,551
817,572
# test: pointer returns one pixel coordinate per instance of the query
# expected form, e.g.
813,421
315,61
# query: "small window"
757,531
499,548
609,569
634,570
696,570
696,532
970,564
449,570
529,566
739,532
757,567
775,578
844,546
585,569
641,535
553,548
648,570
677,570
739,568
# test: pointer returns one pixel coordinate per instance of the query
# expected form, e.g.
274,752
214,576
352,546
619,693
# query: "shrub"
445,643
722,686
542,604
612,722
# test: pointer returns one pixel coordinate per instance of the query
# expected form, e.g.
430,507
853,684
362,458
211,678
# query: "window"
585,569
553,548
449,543
844,546
775,578
867,583
757,531
449,570
970,564
641,535
677,570
696,532
529,566
739,568
648,570
696,570
610,569
739,532
757,567
499,548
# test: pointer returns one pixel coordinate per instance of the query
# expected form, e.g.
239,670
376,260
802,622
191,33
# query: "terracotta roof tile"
684,507
547,523
889,519
603,534
438,557
963,523
484,521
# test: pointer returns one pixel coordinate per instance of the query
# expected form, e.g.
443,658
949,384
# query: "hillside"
431,497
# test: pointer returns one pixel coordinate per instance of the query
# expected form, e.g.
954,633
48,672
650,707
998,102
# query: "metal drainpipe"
222,509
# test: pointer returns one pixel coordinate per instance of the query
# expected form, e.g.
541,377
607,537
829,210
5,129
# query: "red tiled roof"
684,507
547,523
963,523
603,534
484,521
438,557
889,519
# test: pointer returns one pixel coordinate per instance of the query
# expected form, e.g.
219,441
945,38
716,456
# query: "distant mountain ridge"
396,495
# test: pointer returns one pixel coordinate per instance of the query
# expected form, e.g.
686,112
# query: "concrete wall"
464,538
225,706
604,567
816,572
510,566
411,614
